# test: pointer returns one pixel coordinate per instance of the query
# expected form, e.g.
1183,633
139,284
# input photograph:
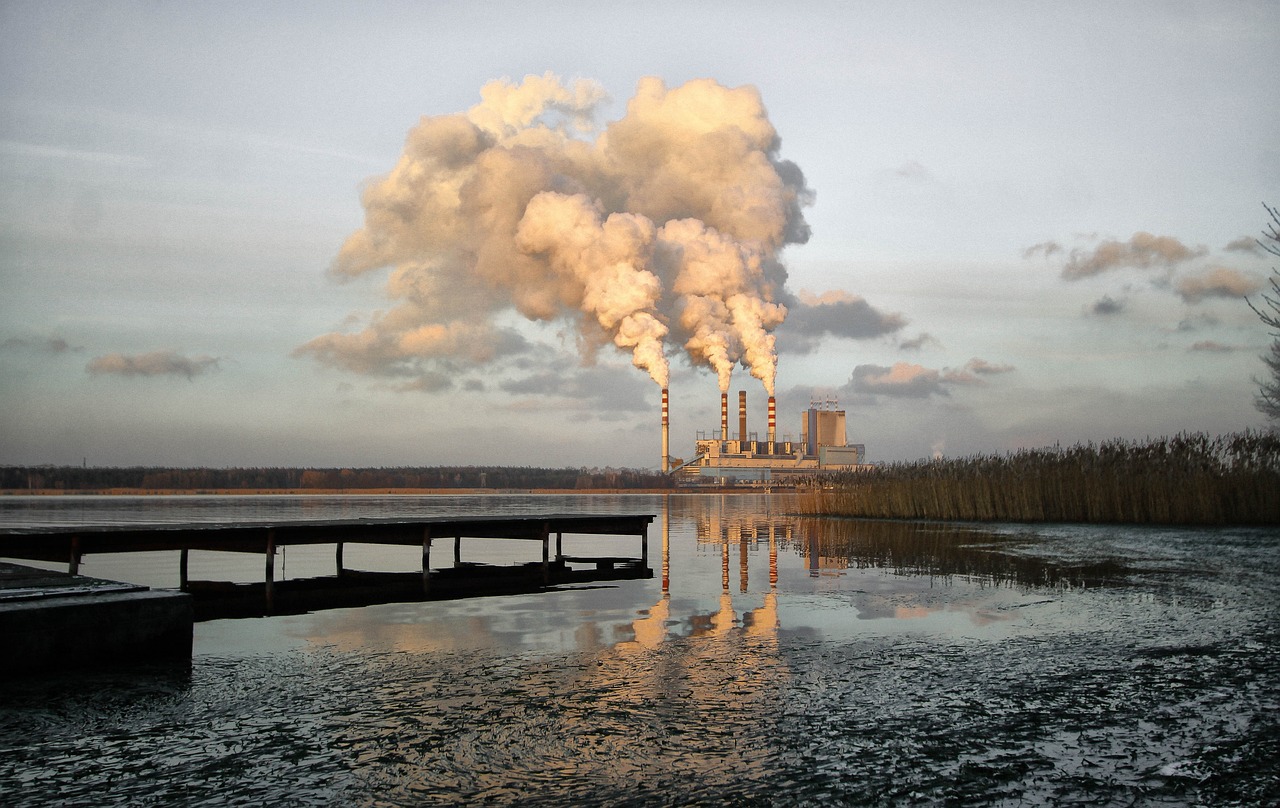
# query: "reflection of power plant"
715,662
725,458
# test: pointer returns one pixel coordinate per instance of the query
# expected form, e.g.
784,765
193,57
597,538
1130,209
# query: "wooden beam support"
426,560
559,545
338,559
271,571
546,545
457,551
182,569
73,563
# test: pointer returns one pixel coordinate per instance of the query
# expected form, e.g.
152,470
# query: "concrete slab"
53,620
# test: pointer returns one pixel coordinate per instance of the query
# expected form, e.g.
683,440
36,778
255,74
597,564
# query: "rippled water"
785,661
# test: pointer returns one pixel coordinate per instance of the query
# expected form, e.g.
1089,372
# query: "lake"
772,659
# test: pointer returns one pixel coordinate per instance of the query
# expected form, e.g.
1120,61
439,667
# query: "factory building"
724,458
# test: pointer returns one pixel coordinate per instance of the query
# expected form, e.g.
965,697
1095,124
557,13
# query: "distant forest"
79,478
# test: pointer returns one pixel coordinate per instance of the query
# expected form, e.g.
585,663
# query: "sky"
398,234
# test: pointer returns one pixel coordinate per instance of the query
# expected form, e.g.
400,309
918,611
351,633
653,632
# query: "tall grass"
1191,478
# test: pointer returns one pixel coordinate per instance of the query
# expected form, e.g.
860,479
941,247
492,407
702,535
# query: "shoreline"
280,492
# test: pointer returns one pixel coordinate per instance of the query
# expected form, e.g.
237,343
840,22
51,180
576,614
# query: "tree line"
82,478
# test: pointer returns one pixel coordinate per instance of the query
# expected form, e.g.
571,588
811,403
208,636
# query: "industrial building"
724,458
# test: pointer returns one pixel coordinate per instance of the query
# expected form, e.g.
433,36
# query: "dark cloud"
913,171
429,382
836,314
1107,306
1044,248
1141,251
598,389
984,368
156,363
1195,323
44,345
1245,244
919,342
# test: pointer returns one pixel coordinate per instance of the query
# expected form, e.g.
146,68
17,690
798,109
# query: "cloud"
1107,306
834,313
1192,324
595,389
913,171
919,342
393,348
906,380
1044,248
903,380
156,363
1209,346
427,383
1218,282
44,345
1141,251
1245,244
984,368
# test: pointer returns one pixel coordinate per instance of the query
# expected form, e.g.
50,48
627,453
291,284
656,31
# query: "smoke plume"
659,233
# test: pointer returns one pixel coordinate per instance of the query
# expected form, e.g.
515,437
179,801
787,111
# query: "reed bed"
1191,478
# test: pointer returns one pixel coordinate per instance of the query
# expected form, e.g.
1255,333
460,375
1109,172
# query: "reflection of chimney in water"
724,564
773,558
666,435
742,415
724,416
666,544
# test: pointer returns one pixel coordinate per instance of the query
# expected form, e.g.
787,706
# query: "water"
786,661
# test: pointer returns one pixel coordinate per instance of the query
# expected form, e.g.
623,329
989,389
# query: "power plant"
722,458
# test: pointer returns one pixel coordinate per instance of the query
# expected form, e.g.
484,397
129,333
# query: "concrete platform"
55,620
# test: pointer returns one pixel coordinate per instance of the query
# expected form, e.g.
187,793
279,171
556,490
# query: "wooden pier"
350,587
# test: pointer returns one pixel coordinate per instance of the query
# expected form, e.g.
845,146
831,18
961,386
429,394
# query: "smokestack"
666,435
773,422
724,416
742,415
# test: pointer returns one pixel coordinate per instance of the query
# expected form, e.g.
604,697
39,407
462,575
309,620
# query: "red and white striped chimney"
773,422
666,435
724,416
742,415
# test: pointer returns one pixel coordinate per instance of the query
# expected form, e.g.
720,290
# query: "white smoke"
659,233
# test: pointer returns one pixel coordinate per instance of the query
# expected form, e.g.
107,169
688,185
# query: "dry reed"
1191,478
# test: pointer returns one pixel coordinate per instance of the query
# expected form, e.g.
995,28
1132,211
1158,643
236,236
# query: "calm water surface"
773,660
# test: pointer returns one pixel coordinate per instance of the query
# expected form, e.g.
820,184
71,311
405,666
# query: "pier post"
546,547
73,563
426,560
182,569
271,570
559,545
644,546
338,559
457,551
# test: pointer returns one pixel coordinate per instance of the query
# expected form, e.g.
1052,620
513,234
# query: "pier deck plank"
58,544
